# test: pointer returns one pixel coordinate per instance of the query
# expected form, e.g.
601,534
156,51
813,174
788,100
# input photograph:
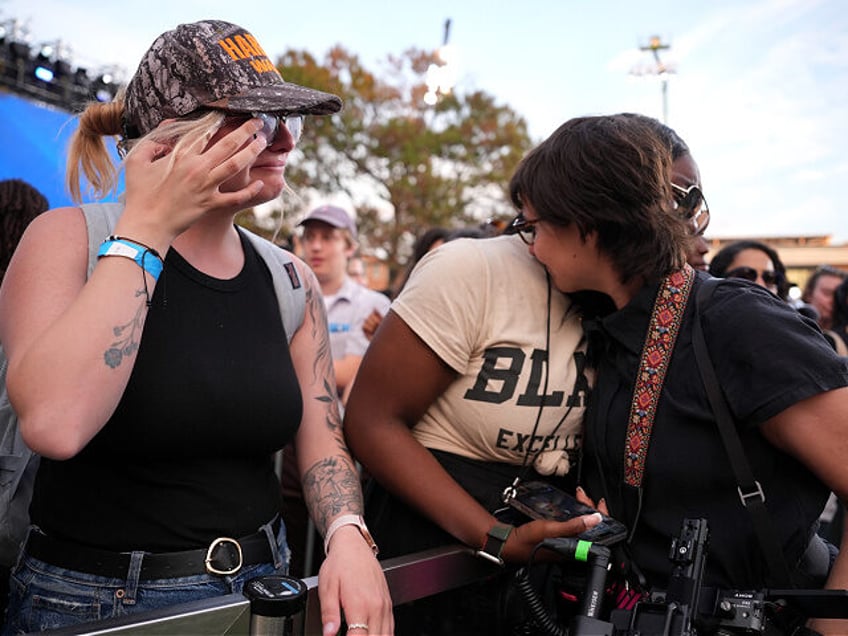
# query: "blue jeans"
45,596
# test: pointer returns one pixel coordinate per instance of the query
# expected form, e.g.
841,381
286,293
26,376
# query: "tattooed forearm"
128,336
333,417
330,488
312,306
322,367
323,374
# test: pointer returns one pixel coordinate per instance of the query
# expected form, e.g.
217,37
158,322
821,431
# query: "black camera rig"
687,607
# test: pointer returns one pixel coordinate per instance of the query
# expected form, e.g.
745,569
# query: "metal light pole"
440,75
655,45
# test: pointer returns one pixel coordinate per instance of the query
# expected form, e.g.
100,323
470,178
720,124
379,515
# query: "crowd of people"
160,357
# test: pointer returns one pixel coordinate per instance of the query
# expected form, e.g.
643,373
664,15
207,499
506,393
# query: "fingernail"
330,629
580,490
602,502
590,521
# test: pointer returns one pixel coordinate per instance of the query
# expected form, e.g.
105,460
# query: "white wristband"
350,520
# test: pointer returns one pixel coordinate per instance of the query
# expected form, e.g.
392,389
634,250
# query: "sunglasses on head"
271,123
692,204
769,277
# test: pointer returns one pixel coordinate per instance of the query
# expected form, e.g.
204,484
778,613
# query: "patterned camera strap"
659,343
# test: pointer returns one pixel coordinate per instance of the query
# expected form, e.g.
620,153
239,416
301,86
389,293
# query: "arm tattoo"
322,367
128,336
323,364
331,487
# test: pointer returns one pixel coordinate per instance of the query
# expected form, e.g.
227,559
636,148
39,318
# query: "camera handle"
597,556
587,621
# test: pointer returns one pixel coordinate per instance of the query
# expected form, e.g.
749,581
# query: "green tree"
407,166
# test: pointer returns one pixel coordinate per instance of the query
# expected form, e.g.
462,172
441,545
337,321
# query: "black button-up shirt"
767,358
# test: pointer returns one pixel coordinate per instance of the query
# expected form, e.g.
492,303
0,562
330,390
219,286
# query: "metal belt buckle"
210,568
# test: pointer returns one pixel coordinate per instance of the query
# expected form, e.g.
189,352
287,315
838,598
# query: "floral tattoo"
322,367
128,337
331,487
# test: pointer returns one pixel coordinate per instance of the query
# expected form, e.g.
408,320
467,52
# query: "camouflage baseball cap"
212,64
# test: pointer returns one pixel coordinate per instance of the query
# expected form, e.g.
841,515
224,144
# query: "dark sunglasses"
749,273
692,204
271,123
270,126
524,228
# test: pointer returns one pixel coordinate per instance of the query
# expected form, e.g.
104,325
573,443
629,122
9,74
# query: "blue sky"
760,89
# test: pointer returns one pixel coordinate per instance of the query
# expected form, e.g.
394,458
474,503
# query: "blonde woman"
158,388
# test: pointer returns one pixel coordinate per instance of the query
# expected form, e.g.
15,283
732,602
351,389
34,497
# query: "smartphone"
540,500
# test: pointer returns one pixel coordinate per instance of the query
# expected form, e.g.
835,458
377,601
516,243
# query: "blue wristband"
147,258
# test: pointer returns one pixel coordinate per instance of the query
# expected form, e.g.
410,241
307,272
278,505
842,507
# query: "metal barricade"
409,578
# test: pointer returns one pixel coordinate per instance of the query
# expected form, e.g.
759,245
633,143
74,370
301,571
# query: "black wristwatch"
495,540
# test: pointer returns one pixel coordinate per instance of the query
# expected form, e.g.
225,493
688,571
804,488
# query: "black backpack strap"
750,491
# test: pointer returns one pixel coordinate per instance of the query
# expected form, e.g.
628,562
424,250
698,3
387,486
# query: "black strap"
750,491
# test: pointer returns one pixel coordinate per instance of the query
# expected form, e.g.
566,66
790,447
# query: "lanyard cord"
512,490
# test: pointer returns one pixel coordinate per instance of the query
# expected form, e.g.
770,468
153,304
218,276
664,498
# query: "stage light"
106,85
43,67
51,65
104,88
46,72
43,73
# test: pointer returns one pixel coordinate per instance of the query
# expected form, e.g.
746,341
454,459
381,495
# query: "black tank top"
188,454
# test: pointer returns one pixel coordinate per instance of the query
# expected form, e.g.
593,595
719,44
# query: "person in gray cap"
329,241
159,357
